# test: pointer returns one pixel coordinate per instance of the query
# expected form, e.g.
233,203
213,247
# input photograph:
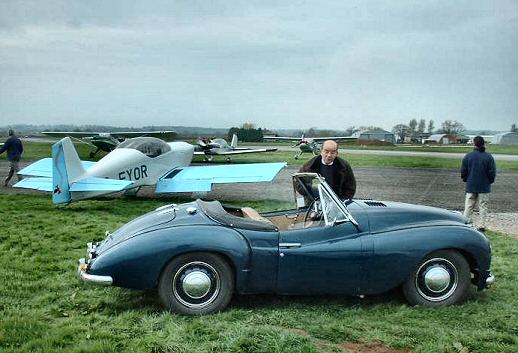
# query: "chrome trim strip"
93,279
289,245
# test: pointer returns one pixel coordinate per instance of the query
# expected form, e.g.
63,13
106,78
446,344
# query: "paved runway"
455,155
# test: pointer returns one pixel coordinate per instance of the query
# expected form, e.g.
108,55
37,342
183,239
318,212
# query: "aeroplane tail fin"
233,144
67,167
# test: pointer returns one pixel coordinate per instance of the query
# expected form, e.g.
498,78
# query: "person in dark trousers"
478,171
13,146
336,171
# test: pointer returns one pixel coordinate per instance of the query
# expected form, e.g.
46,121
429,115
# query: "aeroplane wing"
43,168
78,134
83,185
201,178
286,138
249,150
224,152
36,183
165,134
99,184
338,138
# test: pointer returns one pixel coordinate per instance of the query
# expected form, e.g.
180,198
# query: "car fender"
399,252
138,263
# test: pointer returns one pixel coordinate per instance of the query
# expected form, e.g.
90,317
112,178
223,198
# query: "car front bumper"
83,276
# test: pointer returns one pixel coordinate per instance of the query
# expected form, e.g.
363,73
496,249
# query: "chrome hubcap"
436,279
196,284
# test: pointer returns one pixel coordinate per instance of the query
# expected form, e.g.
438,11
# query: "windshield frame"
326,197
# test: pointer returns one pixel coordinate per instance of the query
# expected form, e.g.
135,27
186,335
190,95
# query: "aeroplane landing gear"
132,192
229,159
208,159
298,155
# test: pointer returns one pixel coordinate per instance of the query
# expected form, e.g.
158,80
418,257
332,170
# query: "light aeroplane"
108,141
220,147
134,163
309,144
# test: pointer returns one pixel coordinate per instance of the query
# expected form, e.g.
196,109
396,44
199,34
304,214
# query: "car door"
323,260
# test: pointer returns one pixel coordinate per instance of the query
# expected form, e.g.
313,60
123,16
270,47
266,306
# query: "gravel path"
433,187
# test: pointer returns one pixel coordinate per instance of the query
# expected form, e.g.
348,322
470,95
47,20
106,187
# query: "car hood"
163,217
386,216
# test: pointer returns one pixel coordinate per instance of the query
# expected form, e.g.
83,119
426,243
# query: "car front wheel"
441,278
196,284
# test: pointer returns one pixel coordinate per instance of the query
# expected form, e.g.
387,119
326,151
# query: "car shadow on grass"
148,301
272,301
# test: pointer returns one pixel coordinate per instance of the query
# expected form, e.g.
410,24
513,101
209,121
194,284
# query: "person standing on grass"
336,171
478,171
13,146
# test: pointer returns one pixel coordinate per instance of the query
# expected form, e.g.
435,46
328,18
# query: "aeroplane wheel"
442,278
196,284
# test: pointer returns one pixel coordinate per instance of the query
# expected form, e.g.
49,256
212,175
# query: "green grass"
44,309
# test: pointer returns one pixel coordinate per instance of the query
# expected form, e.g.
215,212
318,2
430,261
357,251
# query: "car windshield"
311,190
150,146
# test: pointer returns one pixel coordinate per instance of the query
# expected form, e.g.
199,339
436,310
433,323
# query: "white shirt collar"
324,163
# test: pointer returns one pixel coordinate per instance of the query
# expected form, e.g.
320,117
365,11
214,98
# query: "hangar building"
440,139
376,135
506,138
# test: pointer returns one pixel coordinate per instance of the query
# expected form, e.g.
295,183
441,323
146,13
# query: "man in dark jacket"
337,172
478,171
13,146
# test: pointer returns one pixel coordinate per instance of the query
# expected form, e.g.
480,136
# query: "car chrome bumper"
88,278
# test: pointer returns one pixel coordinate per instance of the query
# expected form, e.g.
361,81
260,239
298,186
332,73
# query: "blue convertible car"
198,254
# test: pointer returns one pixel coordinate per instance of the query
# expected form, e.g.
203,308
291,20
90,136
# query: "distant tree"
350,130
248,126
430,126
412,124
421,127
402,131
312,132
452,127
231,132
246,135
514,127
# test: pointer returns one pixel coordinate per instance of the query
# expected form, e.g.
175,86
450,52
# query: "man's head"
10,132
329,151
478,141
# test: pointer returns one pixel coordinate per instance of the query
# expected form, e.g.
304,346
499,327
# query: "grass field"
44,309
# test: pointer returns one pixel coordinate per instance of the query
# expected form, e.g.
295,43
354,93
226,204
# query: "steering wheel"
313,213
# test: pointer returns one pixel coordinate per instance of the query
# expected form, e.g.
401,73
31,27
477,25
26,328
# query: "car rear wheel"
442,278
196,284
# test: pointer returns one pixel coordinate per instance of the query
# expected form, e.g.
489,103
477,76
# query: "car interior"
314,207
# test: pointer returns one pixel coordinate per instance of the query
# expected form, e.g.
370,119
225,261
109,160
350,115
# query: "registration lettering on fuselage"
136,173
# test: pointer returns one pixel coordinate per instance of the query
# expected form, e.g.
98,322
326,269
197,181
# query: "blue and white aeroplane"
134,163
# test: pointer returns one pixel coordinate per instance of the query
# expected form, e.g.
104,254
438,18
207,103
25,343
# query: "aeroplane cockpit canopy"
220,142
150,146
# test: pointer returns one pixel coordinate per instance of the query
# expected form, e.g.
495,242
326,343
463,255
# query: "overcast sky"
279,64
